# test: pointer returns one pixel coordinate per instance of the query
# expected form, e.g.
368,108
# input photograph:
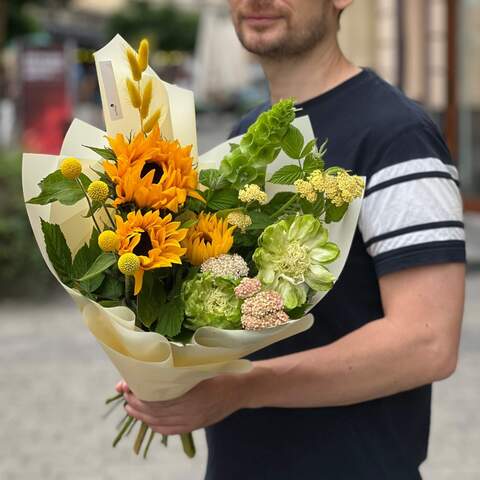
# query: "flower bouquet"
182,265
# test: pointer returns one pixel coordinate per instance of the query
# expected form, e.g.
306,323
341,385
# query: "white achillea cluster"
225,266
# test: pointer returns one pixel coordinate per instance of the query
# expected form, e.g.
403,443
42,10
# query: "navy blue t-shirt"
411,216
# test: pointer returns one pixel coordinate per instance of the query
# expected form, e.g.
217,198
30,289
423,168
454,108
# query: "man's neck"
306,76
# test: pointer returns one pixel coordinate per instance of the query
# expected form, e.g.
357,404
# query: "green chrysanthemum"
211,301
247,162
291,258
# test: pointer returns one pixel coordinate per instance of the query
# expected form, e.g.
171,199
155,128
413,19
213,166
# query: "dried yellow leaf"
134,66
134,94
152,120
146,99
143,50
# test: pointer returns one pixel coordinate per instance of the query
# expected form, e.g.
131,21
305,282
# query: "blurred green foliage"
19,21
167,27
22,270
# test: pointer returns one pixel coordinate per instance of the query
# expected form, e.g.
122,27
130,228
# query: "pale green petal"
303,227
274,237
319,278
326,254
293,295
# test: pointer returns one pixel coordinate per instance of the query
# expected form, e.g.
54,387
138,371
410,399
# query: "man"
350,398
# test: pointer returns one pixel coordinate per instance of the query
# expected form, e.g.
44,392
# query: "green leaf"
223,199
333,213
101,263
110,303
315,208
260,220
171,317
84,258
233,146
58,251
194,205
106,153
308,148
313,161
112,288
212,179
151,299
277,201
55,187
287,175
298,312
292,142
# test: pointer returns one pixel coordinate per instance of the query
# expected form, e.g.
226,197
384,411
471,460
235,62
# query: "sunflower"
157,173
209,237
155,240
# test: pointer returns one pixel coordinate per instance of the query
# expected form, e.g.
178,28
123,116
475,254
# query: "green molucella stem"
285,206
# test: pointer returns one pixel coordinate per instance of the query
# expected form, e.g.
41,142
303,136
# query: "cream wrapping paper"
154,367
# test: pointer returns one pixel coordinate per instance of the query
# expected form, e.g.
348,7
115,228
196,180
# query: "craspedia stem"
85,194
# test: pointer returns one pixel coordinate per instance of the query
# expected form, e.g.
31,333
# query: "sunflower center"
148,167
144,245
295,261
206,237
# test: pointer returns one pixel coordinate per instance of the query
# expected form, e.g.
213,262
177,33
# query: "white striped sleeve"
412,215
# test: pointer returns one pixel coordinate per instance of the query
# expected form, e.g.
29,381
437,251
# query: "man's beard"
292,43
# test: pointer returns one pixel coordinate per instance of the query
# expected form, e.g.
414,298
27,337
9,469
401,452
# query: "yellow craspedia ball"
128,264
98,191
71,168
108,241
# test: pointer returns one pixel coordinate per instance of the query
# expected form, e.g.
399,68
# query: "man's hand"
207,403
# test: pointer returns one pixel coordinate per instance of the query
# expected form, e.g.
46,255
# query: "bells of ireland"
291,258
247,161
211,301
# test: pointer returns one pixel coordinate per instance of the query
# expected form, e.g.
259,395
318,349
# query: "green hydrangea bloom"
291,258
246,163
211,301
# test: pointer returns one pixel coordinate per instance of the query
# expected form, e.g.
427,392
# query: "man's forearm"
379,359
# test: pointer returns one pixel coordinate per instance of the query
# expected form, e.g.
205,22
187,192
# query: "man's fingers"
155,408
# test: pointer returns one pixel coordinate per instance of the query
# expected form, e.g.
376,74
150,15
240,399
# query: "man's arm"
416,343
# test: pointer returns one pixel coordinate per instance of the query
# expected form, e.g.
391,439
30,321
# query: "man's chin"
262,44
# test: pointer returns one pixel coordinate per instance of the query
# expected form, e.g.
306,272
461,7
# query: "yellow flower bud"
239,220
134,94
143,54
98,191
128,264
146,99
71,168
108,241
152,120
134,66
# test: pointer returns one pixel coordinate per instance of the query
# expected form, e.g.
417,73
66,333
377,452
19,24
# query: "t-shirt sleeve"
412,211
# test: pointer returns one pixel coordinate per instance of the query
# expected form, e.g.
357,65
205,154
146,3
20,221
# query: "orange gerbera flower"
155,240
158,174
209,237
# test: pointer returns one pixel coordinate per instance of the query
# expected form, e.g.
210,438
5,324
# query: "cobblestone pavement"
54,377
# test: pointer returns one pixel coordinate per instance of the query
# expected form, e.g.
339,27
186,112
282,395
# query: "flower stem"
109,216
188,444
150,438
140,437
112,399
285,206
89,204
122,431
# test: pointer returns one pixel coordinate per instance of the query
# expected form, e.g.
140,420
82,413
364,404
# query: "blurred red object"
45,105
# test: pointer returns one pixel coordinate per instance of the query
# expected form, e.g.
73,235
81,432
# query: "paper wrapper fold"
153,367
